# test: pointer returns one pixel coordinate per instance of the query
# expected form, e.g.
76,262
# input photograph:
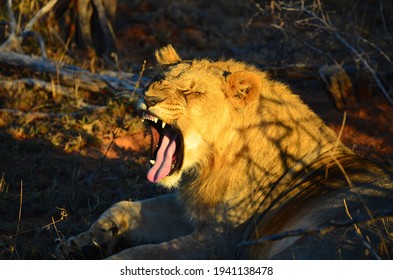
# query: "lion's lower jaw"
172,181
189,170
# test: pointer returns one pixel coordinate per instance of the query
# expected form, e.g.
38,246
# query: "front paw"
96,243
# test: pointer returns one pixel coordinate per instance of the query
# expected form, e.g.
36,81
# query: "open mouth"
166,149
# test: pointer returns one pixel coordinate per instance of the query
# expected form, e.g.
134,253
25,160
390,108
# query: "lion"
253,174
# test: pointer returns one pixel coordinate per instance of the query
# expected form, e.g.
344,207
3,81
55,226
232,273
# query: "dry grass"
61,152
66,165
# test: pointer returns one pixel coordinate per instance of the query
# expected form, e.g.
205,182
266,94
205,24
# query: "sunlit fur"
257,163
237,142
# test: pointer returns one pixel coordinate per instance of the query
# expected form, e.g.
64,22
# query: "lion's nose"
141,105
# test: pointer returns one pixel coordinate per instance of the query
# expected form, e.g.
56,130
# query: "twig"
322,23
308,45
384,22
19,217
131,99
359,234
63,216
383,54
11,17
15,39
366,64
48,7
336,145
344,42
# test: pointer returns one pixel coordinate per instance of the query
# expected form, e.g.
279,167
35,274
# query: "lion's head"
203,113
191,106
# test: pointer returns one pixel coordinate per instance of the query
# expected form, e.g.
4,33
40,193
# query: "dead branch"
41,115
384,22
93,18
44,10
14,41
12,17
50,87
352,49
69,76
36,84
314,18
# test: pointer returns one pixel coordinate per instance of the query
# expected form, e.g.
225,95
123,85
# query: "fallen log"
69,75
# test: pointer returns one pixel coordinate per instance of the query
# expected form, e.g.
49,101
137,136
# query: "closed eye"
192,95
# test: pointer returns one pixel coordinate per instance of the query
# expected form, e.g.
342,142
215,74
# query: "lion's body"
320,209
254,161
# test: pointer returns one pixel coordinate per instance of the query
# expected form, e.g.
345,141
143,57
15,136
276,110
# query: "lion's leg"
193,246
141,222
205,244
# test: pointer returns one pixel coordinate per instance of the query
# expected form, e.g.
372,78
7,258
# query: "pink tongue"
164,157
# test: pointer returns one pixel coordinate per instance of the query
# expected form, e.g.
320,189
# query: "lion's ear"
167,55
242,88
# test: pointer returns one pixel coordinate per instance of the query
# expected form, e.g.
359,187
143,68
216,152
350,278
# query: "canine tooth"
163,124
152,161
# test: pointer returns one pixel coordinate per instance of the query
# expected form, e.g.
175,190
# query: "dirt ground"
51,190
